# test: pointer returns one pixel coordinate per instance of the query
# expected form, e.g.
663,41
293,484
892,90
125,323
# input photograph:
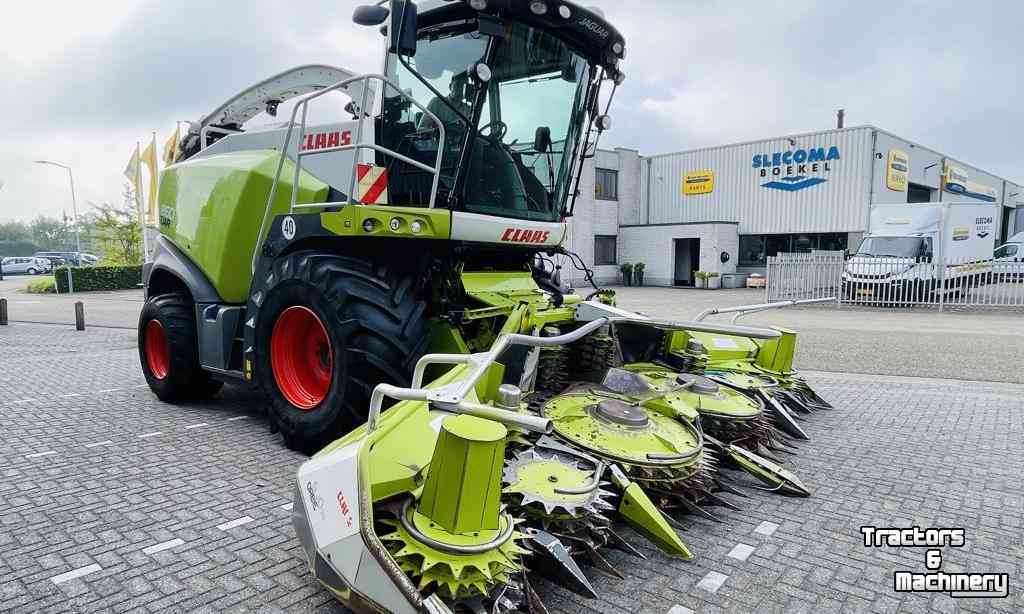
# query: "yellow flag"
132,170
149,159
171,147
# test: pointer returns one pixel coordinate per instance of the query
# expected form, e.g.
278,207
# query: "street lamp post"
74,204
74,210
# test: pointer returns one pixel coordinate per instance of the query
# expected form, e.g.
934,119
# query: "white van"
911,250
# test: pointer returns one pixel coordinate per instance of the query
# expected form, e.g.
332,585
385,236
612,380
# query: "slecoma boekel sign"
796,169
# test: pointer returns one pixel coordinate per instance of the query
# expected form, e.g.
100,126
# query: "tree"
51,234
119,234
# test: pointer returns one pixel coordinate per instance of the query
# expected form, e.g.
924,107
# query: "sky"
83,82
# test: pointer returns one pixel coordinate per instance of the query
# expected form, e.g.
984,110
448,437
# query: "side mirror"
604,123
403,27
369,15
542,139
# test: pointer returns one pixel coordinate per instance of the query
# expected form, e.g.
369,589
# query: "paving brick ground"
81,486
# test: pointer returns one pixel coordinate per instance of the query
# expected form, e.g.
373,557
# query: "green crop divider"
462,493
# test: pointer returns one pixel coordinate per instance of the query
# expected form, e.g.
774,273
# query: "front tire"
33,272
327,333
169,352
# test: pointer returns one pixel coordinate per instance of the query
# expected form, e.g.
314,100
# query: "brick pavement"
107,477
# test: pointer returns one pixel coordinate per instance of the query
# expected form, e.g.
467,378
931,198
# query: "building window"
755,249
607,184
605,249
752,250
918,193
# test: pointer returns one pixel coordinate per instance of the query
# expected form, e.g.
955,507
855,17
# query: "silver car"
30,265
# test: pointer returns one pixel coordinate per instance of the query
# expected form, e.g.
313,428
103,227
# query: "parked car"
89,259
28,264
61,258
1008,261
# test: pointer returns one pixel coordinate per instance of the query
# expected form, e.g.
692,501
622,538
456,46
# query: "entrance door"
687,260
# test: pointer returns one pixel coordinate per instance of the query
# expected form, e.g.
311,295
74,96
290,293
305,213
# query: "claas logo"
325,140
523,235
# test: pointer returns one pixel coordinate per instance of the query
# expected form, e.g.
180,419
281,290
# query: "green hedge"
99,278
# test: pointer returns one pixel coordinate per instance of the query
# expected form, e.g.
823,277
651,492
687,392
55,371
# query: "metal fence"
813,275
895,281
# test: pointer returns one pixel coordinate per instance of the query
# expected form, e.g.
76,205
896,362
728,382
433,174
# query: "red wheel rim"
300,357
158,357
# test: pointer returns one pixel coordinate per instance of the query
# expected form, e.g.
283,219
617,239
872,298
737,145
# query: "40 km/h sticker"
288,227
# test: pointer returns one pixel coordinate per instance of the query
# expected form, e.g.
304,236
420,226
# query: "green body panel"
463,489
639,511
505,289
777,354
434,223
211,208
725,347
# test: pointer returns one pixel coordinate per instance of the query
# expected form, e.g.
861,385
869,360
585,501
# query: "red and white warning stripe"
373,184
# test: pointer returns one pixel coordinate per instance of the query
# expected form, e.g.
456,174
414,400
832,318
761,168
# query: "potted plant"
714,281
627,273
638,273
700,279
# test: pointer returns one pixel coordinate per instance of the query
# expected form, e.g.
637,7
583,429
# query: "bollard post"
79,315
3,312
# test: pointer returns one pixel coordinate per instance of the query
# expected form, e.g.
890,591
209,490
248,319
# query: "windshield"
535,98
1006,251
896,247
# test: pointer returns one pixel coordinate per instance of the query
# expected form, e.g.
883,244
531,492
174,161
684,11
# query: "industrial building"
726,209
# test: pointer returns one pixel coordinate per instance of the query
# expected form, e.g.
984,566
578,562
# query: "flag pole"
138,200
154,199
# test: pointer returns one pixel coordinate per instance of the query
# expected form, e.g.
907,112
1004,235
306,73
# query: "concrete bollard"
3,312
79,316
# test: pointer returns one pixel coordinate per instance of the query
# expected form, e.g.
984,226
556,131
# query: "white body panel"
334,168
489,229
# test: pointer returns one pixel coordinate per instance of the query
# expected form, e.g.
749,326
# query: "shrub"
40,286
99,278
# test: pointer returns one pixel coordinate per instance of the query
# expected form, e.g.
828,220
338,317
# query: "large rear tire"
169,352
329,330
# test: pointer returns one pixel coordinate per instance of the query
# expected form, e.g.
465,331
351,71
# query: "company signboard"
796,169
896,170
957,181
698,182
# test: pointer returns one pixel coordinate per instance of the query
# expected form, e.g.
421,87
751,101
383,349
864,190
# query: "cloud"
83,82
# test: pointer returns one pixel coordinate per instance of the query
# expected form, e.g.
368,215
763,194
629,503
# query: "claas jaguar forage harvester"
407,258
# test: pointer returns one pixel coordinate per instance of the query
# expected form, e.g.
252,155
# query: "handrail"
453,396
741,310
302,103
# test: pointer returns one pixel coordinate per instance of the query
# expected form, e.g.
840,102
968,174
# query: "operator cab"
516,88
